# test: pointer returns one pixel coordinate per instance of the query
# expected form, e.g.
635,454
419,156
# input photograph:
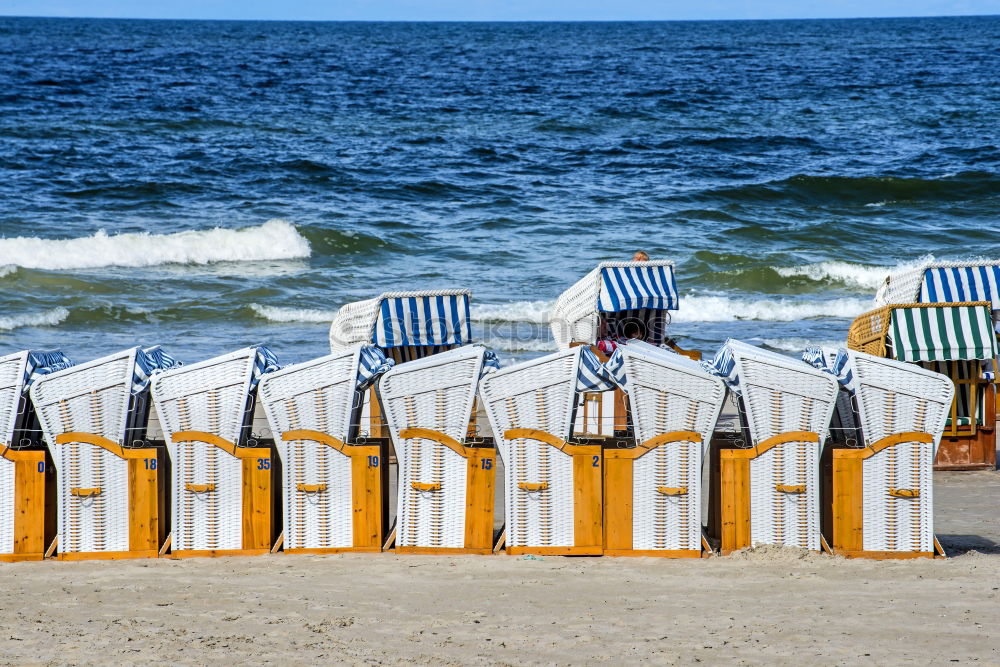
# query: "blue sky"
503,10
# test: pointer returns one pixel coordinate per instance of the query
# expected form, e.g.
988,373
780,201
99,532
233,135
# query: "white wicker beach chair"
221,490
552,487
333,491
881,500
93,417
27,521
602,305
652,492
445,487
406,326
769,488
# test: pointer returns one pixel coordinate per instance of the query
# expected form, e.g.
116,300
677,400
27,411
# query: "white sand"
770,606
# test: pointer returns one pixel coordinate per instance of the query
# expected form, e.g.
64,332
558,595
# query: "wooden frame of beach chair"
767,487
445,484
553,487
334,492
27,477
652,492
223,495
606,298
110,496
969,440
878,493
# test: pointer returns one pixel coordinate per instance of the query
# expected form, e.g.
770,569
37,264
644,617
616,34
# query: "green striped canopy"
943,333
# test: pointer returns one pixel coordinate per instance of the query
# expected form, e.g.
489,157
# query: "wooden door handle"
85,493
672,490
790,488
199,488
311,488
528,486
904,493
421,486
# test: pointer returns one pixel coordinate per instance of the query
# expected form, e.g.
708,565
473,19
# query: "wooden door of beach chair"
222,491
768,487
445,487
109,486
27,478
553,488
333,491
881,494
652,492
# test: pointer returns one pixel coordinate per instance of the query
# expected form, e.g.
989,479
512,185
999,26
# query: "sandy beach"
770,606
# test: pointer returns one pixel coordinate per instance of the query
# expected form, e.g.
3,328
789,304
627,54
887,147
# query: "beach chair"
969,441
652,492
446,482
110,487
405,326
222,485
333,490
602,307
553,485
27,477
766,484
878,491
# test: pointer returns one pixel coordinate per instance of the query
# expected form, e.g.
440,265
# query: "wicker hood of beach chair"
333,491
27,521
769,483
108,483
552,486
652,492
881,495
221,489
445,489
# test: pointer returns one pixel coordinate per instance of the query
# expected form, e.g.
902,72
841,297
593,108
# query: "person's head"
631,330
640,256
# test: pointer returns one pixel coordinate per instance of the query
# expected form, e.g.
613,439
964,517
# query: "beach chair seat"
652,492
333,490
222,487
879,503
767,489
110,490
446,482
27,477
553,486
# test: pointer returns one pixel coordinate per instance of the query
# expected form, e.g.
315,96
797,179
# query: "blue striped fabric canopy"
593,376
491,362
423,320
634,287
371,365
616,367
147,362
840,369
264,363
723,365
43,362
961,283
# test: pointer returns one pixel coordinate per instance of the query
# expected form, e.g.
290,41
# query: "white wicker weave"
210,396
903,287
782,395
537,394
575,316
669,393
12,398
355,322
435,393
318,395
89,398
896,397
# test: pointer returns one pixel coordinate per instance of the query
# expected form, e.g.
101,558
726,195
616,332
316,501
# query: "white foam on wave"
517,311
848,273
278,314
526,345
704,308
45,318
273,240
7,269
799,344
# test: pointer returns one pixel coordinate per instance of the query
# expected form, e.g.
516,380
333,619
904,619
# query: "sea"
206,185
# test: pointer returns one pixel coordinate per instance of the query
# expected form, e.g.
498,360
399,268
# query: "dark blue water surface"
784,165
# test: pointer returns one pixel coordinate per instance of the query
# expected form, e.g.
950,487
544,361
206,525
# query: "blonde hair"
640,256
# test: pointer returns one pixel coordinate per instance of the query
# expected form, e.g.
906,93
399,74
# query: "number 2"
597,461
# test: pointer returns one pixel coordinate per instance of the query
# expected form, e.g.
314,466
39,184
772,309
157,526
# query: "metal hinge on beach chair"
857,496
619,489
588,520
480,477
740,497
143,492
28,512
368,490
256,496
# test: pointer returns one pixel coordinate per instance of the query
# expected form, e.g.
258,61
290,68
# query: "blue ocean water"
210,184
